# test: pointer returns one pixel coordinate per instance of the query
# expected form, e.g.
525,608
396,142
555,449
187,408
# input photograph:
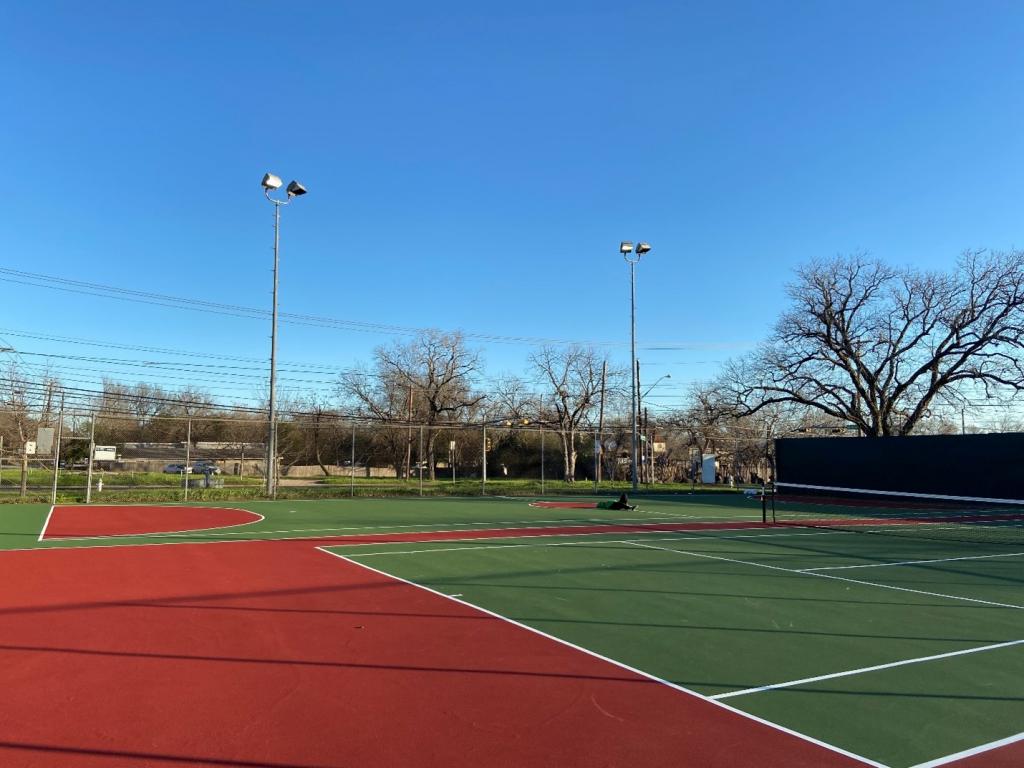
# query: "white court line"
379,528
560,543
46,522
862,670
970,752
619,664
193,540
385,529
828,576
940,497
911,562
165,534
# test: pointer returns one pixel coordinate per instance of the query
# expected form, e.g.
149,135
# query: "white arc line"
863,670
619,664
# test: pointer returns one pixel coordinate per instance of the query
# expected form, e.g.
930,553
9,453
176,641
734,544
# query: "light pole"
632,257
294,189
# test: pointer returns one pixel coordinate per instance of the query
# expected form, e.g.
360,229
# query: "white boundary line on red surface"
862,670
621,665
47,522
260,518
373,529
370,538
971,752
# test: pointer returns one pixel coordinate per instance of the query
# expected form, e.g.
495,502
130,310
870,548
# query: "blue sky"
474,166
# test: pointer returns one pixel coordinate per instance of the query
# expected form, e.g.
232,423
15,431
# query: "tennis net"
964,519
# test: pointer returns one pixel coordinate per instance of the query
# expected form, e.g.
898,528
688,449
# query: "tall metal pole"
632,347
352,464
56,451
600,422
188,455
272,431
92,450
419,459
483,465
542,461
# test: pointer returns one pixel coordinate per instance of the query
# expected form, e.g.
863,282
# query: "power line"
100,290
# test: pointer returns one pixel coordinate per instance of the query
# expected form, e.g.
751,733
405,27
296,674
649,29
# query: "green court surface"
723,613
904,650
20,524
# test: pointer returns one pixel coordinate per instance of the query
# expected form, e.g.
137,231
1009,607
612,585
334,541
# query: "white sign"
30,448
44,439
104,453
707,473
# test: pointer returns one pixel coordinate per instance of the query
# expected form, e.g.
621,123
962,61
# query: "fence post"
188,455
419,459
56,450
92,450
483,464
352,465
542,461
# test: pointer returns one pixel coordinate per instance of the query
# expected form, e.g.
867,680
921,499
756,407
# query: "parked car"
176,469
206,466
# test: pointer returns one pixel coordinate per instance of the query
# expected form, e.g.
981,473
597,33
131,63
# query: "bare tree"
437,368
573,378
879,347
26,403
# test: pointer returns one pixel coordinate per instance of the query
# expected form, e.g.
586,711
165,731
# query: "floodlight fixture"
294,189
632,257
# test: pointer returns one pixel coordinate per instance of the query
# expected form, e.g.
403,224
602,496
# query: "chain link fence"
111,459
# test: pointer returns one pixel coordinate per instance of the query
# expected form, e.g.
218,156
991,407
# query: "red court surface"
1010,756
279,655
74,521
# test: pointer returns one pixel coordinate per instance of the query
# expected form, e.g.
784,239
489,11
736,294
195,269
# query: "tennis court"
472,632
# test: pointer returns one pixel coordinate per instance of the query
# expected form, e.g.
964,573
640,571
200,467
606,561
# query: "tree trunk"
569,455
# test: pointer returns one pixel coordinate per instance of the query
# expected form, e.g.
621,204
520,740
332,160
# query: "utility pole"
56,450
600,422
24,468
408,444
637,419
92,450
